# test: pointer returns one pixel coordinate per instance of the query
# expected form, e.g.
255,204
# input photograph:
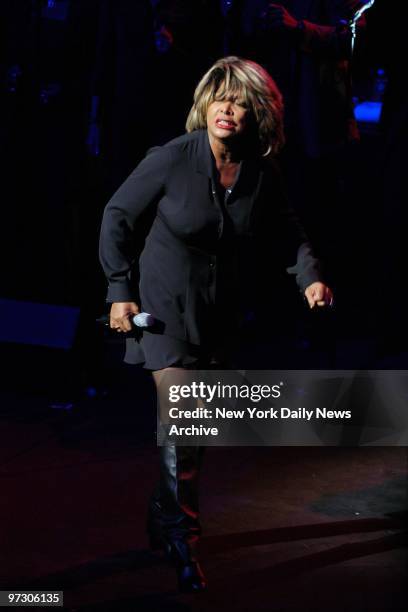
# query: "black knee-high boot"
173,519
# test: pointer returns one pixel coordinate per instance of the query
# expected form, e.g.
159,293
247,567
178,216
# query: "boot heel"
191,578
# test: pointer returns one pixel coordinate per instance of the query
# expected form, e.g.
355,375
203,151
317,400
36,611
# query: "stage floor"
285,528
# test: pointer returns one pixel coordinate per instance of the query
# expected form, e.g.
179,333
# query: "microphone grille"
143,319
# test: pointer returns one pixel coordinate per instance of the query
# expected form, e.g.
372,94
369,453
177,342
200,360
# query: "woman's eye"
241,103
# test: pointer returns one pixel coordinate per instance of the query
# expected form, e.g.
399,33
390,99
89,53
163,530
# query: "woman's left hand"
318,294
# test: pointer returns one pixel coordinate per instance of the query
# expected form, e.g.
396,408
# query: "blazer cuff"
307,268
307,278
120,292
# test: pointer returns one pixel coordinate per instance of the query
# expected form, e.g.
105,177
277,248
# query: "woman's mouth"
225,124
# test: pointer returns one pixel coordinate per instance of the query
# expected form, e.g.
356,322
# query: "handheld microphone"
143,319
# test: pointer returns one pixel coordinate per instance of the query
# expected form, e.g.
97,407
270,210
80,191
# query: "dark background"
311,528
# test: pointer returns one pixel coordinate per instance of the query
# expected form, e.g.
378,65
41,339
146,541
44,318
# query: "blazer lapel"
242,201
247,186
202,155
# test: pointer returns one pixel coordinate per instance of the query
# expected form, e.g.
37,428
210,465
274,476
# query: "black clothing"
203,261
174,504
158,351
173,522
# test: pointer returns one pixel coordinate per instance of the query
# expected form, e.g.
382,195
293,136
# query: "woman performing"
219,214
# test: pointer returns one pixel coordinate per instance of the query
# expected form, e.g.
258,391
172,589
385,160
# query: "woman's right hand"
121,314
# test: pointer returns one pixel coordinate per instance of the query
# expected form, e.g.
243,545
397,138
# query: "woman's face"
227,118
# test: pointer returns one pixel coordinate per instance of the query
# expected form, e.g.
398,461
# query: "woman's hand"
120,315
318,294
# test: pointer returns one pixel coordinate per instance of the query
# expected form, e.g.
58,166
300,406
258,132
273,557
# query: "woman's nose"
226,108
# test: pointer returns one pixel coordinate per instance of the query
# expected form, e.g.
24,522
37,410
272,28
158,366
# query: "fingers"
327,301
122,324
121,315
319,295
309,298
314,295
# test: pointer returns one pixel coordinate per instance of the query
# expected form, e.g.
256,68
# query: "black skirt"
159,351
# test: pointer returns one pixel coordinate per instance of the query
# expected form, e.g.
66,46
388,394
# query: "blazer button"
212,264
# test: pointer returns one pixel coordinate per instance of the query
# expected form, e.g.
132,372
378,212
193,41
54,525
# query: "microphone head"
143,319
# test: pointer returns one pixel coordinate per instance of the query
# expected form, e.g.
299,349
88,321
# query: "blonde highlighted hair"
233,76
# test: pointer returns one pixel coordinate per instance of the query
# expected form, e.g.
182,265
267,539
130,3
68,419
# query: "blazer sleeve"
122,215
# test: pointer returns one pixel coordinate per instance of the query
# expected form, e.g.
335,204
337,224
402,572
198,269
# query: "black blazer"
186,261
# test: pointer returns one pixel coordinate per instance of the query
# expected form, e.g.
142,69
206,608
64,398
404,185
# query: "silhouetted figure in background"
306,46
